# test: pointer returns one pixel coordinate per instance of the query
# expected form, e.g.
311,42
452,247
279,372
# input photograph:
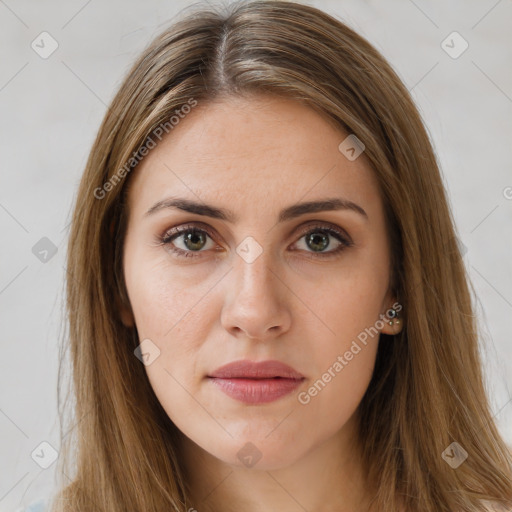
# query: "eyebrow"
290,212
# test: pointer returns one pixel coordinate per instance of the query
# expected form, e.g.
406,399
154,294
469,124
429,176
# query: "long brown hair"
120,449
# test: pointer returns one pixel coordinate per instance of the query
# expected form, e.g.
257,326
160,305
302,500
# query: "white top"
36,506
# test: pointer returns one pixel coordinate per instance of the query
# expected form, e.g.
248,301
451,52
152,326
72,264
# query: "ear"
392,325
126,316
125,311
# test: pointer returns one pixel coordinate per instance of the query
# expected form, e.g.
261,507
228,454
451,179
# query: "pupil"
316,241
192,238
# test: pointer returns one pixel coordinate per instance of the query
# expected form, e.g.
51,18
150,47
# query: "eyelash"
172,234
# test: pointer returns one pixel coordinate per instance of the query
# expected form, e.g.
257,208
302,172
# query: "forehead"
260,151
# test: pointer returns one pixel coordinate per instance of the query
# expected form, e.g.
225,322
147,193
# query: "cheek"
346,301
162,295
171,315
174,312
343,345
343,361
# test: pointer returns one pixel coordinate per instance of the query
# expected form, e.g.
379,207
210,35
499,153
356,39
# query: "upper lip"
256,370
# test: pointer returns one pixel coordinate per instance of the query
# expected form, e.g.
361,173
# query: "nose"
257,301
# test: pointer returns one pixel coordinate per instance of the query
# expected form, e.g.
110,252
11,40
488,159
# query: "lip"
256,382
245,369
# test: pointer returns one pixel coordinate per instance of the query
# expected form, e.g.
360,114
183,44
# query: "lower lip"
257,391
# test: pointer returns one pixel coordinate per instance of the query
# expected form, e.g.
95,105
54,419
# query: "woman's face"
260,278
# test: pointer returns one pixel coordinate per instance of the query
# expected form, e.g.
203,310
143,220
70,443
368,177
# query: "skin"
256,156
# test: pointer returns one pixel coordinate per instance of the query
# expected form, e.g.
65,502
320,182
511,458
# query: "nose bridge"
254,303
255,282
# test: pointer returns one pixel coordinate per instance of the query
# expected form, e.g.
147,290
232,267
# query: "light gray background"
50,110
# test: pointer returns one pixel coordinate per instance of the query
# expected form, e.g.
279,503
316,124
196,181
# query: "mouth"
256,382
256,391
246,369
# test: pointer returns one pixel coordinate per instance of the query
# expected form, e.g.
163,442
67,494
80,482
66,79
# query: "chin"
255,453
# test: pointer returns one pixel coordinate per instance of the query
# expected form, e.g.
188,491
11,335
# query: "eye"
318,240
190,240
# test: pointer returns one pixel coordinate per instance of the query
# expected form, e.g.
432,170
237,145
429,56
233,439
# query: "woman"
268,308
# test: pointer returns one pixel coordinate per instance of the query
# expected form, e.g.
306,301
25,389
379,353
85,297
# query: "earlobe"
392,327
126,316
393,322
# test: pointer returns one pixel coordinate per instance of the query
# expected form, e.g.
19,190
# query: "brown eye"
186,240
319,241
189,241
194,240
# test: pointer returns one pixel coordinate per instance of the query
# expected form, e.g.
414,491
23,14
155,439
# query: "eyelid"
304,229
308,227
170,232
319,224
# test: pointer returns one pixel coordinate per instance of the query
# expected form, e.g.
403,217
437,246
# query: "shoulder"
36,506
493,506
